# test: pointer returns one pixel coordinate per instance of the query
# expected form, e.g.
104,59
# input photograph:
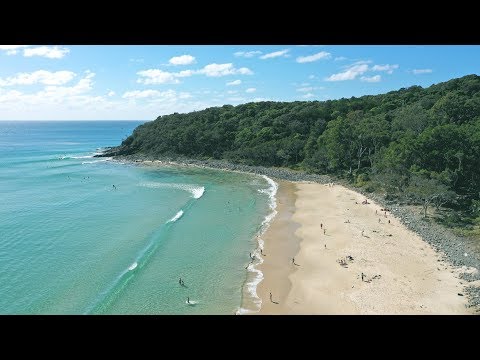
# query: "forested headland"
416,145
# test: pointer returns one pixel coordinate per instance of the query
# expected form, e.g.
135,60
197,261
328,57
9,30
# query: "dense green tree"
412,143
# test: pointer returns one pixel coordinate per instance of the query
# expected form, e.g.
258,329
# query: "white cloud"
157,76
12,49
111,93
234,82
387,68
247,54
136,60
50,97
349,74
140,94
281,53
232,92
50,52
79,102
421,71
308,96
217,70
305,89
250,90
39,77
372,79
311,77
182,60
314,57
184,73
340,58
171,95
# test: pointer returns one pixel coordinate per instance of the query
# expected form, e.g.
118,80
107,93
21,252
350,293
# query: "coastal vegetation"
415,145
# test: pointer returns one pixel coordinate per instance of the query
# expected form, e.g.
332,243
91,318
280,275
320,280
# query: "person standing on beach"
271,297
363,275
324,230
321,226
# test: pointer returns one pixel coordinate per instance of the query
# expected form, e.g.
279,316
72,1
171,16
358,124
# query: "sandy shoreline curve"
402,274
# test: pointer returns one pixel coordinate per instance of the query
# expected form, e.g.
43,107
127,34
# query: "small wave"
133,266
177,216
81,157
191,303
96,161
196,191
257,275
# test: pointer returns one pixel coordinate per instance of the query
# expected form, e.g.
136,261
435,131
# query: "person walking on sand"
271,297
362,232
325,246
321,226
363,275
324,230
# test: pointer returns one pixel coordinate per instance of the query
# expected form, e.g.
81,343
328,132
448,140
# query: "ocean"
85,235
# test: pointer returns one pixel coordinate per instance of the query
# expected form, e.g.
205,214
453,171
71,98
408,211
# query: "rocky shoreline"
453,247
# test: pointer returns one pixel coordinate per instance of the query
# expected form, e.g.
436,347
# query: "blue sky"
142,82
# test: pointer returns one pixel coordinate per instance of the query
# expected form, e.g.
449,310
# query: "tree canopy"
392,140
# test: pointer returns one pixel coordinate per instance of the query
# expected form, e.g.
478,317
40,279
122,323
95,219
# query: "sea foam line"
177,216
97,161
257,277
196,191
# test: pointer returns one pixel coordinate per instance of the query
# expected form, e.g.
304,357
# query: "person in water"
180,281
188,300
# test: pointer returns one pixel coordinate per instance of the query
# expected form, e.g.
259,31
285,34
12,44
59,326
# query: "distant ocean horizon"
86,235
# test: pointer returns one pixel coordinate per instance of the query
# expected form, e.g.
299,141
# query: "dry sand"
403,274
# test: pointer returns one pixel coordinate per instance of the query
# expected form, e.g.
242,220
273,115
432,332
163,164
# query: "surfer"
114,187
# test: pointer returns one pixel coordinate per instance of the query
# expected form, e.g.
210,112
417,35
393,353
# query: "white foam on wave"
257,275
133,266
196,191
96,161
177,216
82,157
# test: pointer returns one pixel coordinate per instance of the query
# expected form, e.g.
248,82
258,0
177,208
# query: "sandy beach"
402,274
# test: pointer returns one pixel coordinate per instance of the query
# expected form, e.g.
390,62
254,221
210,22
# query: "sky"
103,82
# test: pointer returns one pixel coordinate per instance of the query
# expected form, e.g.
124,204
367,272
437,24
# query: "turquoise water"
70,243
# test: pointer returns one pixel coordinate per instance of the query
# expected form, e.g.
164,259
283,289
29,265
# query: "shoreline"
403,273
435,235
